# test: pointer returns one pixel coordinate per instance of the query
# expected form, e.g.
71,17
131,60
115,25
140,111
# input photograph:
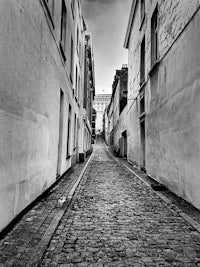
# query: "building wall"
100,103
172,128
119,119
109,124
33,126
115,115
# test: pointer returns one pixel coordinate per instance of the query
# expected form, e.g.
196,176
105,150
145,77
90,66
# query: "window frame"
72,7
154,37
72,60
68,133
142,10
50,8
142,61
63,29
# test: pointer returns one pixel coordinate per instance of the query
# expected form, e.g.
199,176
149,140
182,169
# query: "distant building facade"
100,102
94,115
115,115
42,115
163,90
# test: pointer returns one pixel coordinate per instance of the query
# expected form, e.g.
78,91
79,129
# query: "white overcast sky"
107,20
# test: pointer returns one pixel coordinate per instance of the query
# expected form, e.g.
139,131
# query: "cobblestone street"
114,219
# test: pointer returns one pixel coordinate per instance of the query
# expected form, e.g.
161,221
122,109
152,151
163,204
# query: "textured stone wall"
171,97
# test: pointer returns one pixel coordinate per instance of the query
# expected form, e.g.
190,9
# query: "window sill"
142,85
142,117
50,17
62,51
142,114
71,79
154,67
142,22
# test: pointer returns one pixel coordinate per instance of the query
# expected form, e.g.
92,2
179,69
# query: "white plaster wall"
171,97
177,114
119,120
133,134
31,75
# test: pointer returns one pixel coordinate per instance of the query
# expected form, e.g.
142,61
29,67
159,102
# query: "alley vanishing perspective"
113,219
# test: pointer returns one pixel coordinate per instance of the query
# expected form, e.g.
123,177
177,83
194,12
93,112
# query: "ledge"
48,13
71,78
62,51
154,68
142,22
142,85
142,115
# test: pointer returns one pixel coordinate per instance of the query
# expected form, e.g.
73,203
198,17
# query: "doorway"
142,141
60,141
124,153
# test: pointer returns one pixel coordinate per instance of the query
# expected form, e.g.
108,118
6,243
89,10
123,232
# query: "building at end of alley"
163,99
46,96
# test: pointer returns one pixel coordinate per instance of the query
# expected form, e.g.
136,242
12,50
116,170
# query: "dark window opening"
142,61
142,9
142,106
63,32
72,59
154,37
69,131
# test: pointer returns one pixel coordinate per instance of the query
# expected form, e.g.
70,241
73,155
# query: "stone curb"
40,249
170,205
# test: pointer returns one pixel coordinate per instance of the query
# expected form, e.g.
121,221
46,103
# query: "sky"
107,21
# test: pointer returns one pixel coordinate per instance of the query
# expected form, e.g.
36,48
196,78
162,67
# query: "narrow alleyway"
113,220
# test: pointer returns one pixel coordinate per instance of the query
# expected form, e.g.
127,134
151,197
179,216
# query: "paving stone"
113,220
25,237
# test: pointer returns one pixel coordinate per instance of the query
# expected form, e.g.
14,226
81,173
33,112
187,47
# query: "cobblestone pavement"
115,220
37,225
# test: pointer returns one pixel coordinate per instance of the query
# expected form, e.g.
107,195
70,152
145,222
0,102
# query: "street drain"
158,187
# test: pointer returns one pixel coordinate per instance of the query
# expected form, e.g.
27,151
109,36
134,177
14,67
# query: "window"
69,131
63,28
142,9
76,85
72,7
72,60
154,37
74,131
142,105
77,39
142,61
49,4
80,50
79,85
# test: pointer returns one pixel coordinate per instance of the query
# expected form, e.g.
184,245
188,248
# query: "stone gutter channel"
64,203
177,205
26,243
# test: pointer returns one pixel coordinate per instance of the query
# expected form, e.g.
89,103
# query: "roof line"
130,22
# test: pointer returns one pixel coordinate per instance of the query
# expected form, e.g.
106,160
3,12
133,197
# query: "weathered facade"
108,124
94,114
163,90
41,97
100,103
115,115
89,93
